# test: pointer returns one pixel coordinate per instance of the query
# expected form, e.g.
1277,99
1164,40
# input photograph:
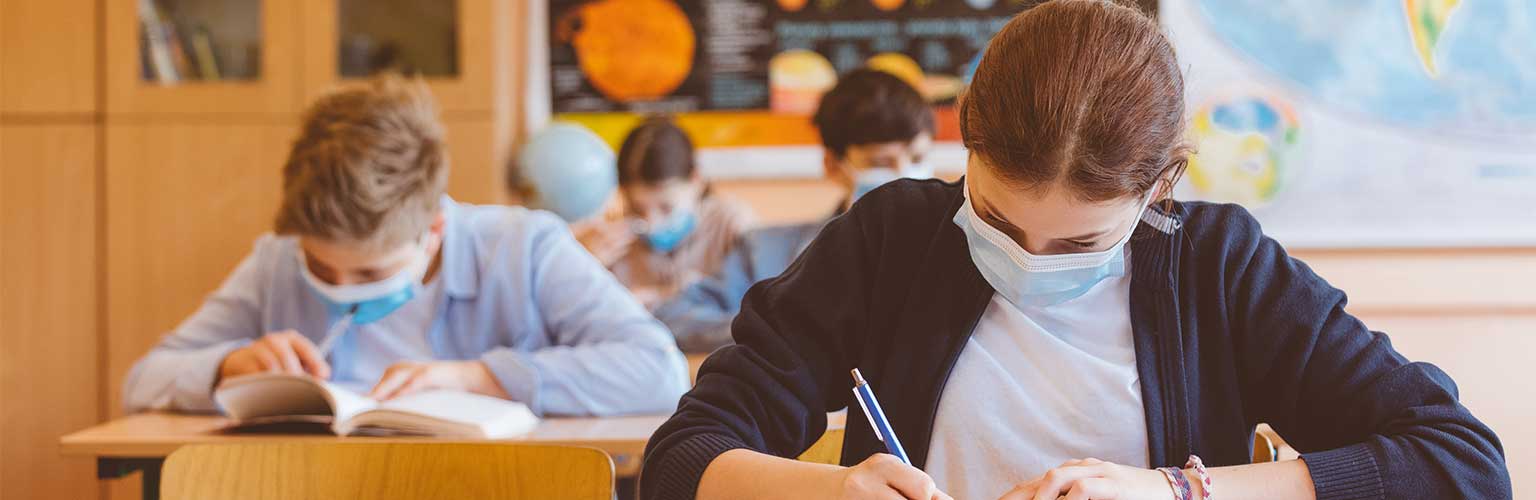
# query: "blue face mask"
1028,280
870,178
369,302
671,234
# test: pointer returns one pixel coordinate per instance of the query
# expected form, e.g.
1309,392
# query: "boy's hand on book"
277,352
404,378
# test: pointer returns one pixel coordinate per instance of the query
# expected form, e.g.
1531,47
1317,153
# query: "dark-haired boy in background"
874,128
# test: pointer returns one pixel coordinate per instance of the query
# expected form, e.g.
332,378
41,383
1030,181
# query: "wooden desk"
141,442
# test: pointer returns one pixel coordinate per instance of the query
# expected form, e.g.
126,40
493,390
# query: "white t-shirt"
402,335
1036,387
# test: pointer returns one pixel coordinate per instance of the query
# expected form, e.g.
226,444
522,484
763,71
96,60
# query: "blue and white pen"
866,395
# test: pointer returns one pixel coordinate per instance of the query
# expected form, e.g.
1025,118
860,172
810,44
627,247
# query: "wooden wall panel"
784,201
48,303
48,50
184,204
1430,281
475,174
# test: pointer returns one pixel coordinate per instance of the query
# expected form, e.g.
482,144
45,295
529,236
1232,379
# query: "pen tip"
858,378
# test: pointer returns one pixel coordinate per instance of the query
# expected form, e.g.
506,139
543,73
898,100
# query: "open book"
270,399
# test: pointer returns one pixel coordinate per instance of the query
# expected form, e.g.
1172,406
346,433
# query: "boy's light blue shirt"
556,329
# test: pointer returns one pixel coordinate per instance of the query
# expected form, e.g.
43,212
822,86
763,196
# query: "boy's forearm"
629,378
166,379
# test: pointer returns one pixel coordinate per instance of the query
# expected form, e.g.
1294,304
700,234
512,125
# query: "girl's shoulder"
1217,225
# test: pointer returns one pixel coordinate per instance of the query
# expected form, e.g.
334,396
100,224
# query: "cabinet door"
49,338
202,56
184,203
48,56
459,46
474,150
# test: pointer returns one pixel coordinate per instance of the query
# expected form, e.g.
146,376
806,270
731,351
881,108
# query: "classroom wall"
49,258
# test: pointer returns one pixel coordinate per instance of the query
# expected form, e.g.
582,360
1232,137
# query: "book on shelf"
202,54
158,43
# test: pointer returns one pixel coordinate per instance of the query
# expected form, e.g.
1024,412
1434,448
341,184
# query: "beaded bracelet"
1205,477
1177,481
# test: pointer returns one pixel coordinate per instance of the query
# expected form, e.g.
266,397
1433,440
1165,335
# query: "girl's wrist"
1199,478
1192,482
1196,487
1179,484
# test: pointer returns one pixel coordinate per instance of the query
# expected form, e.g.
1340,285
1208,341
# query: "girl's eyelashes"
1083,244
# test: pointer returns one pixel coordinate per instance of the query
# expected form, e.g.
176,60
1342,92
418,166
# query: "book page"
271,394
453,412
346,403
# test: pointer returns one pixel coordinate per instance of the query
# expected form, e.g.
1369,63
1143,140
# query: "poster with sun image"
749,73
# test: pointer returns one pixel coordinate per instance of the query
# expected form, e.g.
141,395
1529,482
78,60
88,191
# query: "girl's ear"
1165,185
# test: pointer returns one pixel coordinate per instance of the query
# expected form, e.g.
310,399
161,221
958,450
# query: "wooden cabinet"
274,88
480,32
48,56
476,165
49,336
185,202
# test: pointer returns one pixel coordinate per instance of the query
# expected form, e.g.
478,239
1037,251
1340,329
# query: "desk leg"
118,467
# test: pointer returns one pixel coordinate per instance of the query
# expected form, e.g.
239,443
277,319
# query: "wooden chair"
405,471
827,450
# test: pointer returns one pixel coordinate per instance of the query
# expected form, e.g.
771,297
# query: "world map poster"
1372,123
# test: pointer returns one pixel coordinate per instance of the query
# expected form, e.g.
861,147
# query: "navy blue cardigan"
1229,332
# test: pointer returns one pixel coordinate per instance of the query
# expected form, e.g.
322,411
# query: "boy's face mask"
372,301
870,178
868,166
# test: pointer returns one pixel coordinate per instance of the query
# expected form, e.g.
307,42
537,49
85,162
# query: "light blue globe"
570,170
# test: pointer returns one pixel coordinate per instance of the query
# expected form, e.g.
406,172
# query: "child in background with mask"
675,230
375,279
874,129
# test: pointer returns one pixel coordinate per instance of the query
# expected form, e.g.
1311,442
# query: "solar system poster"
749,73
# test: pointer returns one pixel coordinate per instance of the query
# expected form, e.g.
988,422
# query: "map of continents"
1463,69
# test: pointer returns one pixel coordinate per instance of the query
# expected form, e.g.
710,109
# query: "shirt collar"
460,269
